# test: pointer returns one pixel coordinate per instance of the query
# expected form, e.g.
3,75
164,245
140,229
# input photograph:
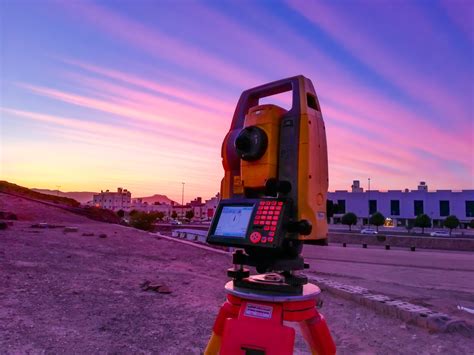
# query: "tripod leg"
317,335
227,310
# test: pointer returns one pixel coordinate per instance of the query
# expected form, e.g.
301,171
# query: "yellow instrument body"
296,151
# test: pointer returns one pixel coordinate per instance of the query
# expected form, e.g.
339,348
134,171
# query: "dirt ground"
71,293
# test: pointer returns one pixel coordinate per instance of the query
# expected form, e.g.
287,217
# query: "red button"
273,228
275,217
255,237
273,203
270,239
267,228
279,203
264,240
261,222
271,234
278,208
274,223
268,222
272,207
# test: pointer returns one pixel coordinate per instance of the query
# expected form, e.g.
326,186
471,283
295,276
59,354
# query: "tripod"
250,322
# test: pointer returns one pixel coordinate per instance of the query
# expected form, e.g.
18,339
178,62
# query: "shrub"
451,222
349,219
143,221
423,221
377,219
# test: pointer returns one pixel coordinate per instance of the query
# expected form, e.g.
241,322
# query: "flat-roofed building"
120,200
402,206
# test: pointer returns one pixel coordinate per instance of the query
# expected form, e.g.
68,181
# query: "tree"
349,219
189,214
471,224
160,215
422,221
451,222
377,219
174,215
121,213
143,221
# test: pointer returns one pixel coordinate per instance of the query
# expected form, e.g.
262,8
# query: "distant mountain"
157,198
81,196
13,189
86,196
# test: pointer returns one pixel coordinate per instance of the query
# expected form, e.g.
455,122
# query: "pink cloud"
161,45
127,109
94,133
193,97
380,56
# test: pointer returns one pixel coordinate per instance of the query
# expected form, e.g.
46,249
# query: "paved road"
437,278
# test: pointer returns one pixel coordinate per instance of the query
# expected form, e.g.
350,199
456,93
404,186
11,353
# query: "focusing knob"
302,227
251,143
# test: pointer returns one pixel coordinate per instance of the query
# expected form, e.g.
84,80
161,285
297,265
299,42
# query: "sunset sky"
139,94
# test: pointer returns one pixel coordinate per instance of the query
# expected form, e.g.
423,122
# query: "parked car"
175,222
368,231
439,234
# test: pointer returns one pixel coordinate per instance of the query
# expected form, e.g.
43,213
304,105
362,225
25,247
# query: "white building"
402,206
120,200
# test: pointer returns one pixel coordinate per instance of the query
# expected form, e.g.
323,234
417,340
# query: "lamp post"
368,198
182,201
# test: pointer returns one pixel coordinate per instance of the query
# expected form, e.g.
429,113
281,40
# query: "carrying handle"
303,96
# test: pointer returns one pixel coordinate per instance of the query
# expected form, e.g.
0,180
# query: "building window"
444,208
469,208
395,207
418,207
341,206
372,206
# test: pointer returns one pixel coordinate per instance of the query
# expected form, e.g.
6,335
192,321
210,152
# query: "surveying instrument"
273,199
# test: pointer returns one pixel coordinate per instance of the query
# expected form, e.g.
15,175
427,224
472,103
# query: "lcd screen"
233,221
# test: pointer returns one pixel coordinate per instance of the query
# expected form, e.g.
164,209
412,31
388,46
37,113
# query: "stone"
164,289
70,229
102,235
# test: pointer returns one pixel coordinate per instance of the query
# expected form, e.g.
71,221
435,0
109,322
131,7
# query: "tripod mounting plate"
310,291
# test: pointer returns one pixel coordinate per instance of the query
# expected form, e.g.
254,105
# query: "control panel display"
248,222
234,221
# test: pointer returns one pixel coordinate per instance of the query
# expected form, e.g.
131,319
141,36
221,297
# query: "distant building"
210,206
402,206
356,186
120,200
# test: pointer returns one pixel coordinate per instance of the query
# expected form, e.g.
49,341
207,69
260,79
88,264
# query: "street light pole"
182,201
368,198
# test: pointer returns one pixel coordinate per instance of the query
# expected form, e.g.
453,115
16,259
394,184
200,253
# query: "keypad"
266,219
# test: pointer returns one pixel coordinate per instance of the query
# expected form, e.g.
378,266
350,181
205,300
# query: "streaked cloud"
159,119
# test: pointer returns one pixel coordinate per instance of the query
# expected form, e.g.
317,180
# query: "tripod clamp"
282,281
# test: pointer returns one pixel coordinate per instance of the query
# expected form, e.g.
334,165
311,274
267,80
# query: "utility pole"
182,202
368,194
57,189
